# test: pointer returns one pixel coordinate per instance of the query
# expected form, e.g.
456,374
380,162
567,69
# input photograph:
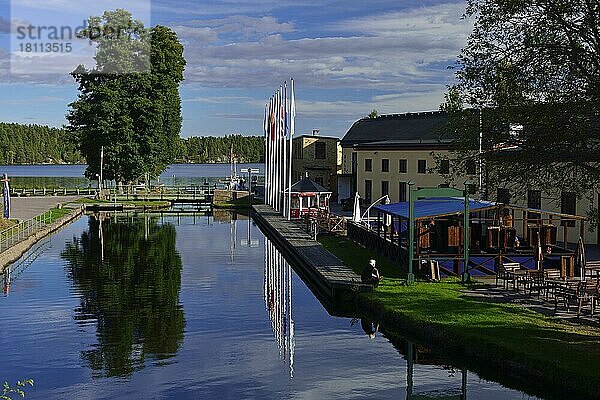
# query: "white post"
292,131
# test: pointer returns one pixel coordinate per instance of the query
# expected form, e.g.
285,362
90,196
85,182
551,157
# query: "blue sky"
346,57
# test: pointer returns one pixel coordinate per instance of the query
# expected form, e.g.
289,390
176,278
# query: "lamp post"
410,278
250,171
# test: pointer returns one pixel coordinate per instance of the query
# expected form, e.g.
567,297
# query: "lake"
192,306
71,176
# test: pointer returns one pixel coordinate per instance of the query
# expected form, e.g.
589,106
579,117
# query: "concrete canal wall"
324,271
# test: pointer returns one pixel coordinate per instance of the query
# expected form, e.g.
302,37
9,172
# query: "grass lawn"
510,331
56,213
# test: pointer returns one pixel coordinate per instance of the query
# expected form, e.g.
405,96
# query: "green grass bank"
519,344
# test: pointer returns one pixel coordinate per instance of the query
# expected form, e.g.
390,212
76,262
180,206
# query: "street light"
250,171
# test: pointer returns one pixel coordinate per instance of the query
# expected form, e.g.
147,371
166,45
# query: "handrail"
21,231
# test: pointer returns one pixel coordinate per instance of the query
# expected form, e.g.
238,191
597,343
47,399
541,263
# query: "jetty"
321,269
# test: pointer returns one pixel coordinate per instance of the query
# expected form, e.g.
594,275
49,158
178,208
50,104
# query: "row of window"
443,167
402,165
385,190
568,200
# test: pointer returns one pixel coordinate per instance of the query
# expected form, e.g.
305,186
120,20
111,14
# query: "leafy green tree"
529,80
129,103
373,114
129,280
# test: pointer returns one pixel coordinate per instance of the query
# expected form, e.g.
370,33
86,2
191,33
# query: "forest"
39,144
36,144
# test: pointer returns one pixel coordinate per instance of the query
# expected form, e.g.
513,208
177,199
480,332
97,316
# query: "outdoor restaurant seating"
568,292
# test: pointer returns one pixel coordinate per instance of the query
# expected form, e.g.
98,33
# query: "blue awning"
430,208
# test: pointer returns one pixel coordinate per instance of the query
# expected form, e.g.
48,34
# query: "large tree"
529,80
129,102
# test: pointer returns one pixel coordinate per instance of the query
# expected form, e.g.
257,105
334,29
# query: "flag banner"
6,196
278,125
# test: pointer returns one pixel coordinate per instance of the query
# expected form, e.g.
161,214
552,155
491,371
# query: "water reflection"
278,302
128,274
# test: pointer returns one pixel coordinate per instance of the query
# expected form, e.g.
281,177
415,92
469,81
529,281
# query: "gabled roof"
305,185
397,129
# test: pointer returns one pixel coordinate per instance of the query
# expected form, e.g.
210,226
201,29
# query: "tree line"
40,144
36,144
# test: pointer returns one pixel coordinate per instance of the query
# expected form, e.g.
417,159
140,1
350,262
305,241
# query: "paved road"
28,207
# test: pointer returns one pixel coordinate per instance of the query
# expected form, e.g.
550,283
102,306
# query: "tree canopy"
529,80
129,102
36,144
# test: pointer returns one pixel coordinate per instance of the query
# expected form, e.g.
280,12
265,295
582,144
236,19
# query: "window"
320,150
503,196
368,190
534,199
385,165
403,166
368,164
422,166
444,167
471,167
354,162
385,188
402,191
297,149
568,205
568,202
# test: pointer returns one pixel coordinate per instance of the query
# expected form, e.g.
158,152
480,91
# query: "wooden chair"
535,282
565,292
587,292
550,275
506,273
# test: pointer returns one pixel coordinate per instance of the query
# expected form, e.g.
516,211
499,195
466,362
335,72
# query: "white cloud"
387,51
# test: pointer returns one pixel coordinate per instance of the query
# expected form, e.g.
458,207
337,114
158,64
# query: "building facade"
381,155
319,157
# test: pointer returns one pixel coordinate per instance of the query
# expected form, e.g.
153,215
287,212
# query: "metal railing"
21,231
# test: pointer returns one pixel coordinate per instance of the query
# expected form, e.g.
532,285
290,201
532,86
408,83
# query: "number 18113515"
45,47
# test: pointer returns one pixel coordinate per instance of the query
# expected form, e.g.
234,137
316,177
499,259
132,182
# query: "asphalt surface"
23,208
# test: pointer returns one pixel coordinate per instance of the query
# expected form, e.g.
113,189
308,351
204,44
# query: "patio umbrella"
356,211
387,220
538,256
580,260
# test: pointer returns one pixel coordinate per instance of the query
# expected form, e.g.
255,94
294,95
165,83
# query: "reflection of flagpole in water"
146,226
101,236
232,237
292,342
278,300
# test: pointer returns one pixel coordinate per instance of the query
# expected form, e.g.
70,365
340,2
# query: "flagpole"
285,158
292,129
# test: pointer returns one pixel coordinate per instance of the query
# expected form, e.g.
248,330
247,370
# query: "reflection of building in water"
278,301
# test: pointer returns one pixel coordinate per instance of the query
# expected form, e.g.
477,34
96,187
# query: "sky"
346,58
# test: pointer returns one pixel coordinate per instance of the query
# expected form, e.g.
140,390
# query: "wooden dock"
325,271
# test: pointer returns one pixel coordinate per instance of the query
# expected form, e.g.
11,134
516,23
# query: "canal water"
196,307
72,176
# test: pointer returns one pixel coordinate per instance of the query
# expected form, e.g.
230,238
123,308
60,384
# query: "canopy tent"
437,207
